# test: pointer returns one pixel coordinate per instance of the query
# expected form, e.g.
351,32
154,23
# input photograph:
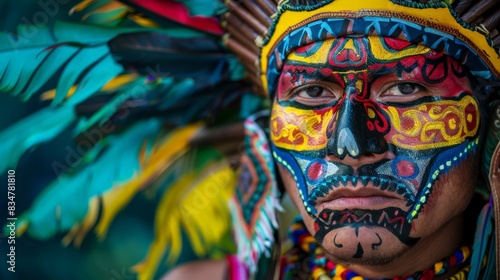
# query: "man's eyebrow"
311,72
374,74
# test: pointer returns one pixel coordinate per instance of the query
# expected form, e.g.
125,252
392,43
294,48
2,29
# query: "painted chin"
364,245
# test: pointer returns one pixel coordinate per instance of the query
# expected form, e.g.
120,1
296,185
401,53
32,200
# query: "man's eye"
404,89
312,91
316,95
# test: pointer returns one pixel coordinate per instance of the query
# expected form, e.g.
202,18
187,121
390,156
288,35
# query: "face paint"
371,117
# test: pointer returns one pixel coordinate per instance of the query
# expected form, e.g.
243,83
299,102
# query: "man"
380,112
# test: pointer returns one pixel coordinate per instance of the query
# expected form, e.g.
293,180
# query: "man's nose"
355,139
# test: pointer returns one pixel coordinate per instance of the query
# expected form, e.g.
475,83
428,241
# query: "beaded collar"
306,261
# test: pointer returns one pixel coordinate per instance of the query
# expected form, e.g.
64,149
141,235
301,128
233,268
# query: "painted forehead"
369,62
355,52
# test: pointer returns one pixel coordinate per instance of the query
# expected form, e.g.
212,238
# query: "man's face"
374,138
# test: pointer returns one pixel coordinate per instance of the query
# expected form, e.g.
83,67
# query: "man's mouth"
392,219
361,192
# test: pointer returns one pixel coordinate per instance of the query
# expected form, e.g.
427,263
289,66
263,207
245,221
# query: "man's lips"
359,197
360,191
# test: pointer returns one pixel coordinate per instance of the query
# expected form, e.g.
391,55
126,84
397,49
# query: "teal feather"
73,70
133,90
78,49
104,18
42,66
110,18
101,73
97,4
490,269
70,193
482,236
31,131
203,7
30,64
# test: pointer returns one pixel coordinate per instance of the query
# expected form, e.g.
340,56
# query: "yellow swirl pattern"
434,125
299,130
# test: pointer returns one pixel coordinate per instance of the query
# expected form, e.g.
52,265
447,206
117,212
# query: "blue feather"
483,233
31,131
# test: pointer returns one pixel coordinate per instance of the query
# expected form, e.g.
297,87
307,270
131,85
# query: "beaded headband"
262,35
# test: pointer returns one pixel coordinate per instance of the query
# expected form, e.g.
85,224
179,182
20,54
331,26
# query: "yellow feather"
142,21
79,231
110,86
121,15
68,238
108,8
81,6
22,227
169,149
148,267
198,205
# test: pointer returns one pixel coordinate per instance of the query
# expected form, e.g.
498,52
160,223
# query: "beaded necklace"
307,260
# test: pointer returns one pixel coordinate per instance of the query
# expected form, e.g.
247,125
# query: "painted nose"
353,139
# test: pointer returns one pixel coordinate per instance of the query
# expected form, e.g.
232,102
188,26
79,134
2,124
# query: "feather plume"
156,54
83,59
180,13
158,159
110,13
65,203
189,205
111,86
32,131
482,238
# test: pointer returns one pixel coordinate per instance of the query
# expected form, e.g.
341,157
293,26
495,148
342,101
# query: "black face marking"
392,219
375,245
359,252
338,245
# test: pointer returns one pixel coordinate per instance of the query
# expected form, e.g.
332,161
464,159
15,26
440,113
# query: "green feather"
64,203
108,18
31,131
74,68
101,73
203,7
129,91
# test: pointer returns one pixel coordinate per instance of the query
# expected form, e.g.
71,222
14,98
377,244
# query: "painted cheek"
298,129
433,125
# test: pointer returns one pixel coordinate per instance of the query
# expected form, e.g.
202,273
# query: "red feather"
177,12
